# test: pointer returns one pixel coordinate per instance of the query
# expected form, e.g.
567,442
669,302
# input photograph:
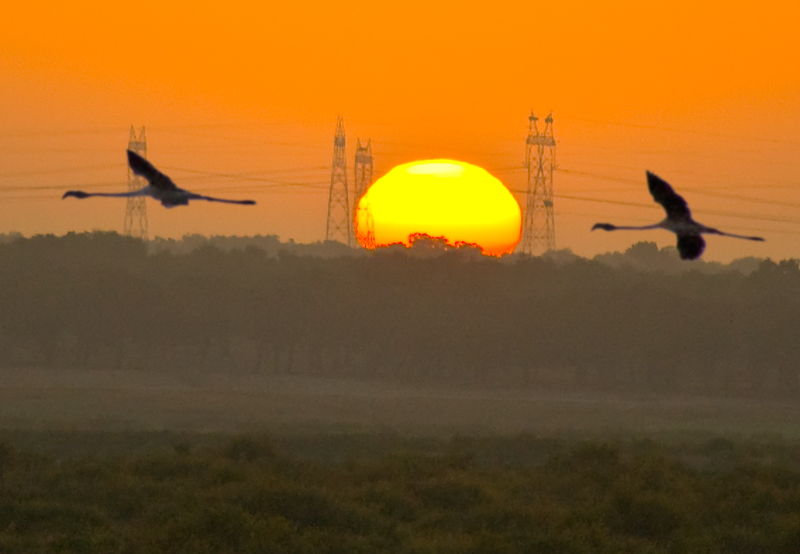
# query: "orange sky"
707,96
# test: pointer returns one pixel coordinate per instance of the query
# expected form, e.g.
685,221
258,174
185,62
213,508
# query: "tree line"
100,300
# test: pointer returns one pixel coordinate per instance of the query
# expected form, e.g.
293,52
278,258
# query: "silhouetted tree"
451,315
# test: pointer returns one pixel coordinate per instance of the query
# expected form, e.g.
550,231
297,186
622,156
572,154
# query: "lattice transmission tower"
136,210
363,170
538,228
365,228
338,224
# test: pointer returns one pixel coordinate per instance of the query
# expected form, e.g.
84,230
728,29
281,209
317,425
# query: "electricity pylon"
538,229
363,179
338,224
136,209
366,230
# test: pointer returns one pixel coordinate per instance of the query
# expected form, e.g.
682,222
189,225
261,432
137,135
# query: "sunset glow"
241,99
440,198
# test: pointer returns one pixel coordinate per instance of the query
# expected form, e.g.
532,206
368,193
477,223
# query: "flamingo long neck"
638,228
141,192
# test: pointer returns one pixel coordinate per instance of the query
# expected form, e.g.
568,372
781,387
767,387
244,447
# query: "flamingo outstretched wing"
145,169
193,196
672,202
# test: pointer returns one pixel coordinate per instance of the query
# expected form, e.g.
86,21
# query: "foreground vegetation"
385,493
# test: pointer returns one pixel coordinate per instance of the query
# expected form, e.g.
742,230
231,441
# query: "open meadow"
138,463
93,400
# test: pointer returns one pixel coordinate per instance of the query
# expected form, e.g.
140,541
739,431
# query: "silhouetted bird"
679,220
159,187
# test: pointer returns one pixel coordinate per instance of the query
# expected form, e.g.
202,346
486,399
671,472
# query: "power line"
747,198
65,133
17,188
635,218
708,212
608,177
55,171
250,175
269,185
683,130
706,190
244,139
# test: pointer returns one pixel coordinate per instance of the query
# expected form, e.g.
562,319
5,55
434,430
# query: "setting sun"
440,198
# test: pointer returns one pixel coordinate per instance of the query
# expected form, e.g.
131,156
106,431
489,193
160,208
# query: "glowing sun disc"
441,198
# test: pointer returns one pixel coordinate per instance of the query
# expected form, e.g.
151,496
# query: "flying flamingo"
159,187
679,220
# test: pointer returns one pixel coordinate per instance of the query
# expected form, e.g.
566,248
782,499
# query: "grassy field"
146,492
138,463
